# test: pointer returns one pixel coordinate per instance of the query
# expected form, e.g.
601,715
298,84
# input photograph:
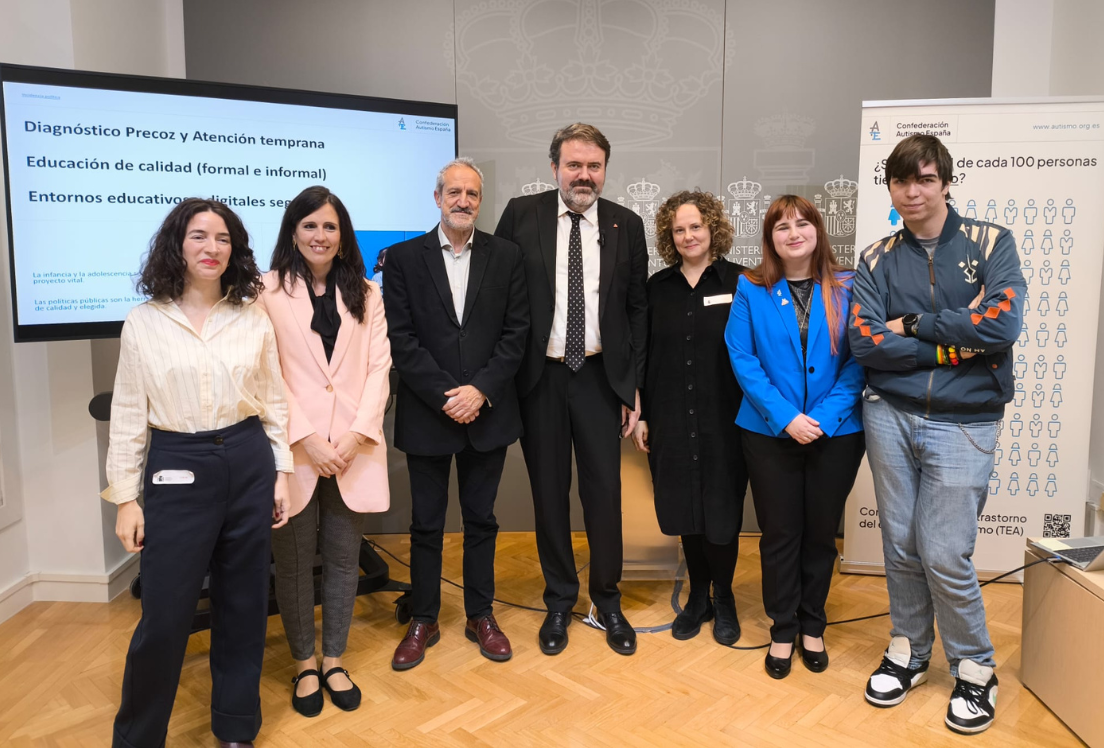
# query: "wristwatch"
911,323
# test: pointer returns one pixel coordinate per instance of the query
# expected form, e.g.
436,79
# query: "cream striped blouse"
172,378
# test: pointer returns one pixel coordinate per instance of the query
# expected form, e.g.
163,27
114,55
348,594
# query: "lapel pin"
784,302
779,292
615,225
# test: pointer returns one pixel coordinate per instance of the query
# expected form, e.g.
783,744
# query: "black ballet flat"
311,704
344,700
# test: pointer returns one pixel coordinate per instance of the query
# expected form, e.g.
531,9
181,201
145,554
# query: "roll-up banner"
1036,167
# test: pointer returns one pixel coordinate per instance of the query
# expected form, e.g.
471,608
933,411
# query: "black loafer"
817,662
344,700
689,622
778,667
311,704
553,633
620,636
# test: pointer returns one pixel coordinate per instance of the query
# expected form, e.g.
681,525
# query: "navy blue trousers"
222,523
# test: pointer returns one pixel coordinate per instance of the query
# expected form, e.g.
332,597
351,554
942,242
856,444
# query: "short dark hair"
577,131
348,265
914,150
162,274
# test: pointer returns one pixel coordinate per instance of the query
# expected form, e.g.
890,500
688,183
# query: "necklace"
797,289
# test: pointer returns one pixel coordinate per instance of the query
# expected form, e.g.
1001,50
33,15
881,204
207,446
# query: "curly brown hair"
162,274
713,215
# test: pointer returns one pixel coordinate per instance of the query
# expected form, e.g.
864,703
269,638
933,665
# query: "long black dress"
690,401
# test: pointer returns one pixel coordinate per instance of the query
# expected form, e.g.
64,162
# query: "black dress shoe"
345,700
814,661
726,624
553,633
688,623
311,704
778,667
619,634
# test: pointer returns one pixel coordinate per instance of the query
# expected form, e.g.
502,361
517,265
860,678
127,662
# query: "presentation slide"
92,172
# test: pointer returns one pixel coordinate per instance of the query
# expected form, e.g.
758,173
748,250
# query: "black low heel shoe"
817,662
344,700
311,704
778,667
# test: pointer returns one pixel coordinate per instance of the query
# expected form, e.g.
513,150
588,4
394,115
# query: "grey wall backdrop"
748,99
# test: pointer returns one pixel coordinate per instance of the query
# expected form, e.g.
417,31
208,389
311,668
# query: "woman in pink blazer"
335,358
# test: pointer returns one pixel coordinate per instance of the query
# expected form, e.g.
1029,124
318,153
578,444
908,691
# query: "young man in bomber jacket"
937,308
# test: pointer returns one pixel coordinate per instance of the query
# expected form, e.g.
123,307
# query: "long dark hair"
824,265
348,265
162,274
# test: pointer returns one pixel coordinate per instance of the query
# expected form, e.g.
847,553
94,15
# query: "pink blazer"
348,393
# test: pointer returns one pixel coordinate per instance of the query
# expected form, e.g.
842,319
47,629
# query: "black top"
690,401
802,294
326,320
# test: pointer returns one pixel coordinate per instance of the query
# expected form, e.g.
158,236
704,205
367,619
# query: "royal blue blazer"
764,345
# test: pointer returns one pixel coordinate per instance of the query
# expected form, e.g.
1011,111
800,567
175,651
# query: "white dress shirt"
173,378
592,268
457,267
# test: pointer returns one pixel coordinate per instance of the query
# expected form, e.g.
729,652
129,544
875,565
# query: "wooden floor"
61,666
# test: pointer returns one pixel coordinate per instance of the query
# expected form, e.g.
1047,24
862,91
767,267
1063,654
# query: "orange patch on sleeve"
1005,305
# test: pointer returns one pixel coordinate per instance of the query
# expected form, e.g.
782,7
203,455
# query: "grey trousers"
325,523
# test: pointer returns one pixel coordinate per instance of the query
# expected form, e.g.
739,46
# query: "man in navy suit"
457,316
586,262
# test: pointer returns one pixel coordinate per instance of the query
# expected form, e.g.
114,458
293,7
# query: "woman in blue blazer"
801,419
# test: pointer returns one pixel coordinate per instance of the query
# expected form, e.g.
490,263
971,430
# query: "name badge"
723,298
173,477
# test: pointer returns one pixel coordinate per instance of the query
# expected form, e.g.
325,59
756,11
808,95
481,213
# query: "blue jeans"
931,479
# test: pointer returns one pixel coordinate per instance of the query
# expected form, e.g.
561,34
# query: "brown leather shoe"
411,649
493,644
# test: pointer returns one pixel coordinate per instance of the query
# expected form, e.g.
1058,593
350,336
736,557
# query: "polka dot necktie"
575,347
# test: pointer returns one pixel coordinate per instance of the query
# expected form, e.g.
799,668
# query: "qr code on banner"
1056,525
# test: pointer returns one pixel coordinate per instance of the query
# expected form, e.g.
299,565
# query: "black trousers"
478,474
580,408
222,523
799,492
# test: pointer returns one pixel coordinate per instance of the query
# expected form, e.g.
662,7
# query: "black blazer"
530,222
434,353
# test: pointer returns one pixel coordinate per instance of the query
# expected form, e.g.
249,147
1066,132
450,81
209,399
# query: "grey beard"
579,200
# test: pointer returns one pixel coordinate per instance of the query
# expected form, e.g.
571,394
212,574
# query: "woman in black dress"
689,404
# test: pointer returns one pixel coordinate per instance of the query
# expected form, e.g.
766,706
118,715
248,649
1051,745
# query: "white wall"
55,533
1052,48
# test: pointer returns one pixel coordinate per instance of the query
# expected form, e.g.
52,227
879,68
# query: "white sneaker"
891,682
974,701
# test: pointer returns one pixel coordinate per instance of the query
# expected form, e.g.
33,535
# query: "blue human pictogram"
1051,485
1069,211
1066,242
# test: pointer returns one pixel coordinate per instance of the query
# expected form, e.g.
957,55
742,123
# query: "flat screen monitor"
94,162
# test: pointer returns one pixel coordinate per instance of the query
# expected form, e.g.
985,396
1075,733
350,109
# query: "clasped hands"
331,458
463,403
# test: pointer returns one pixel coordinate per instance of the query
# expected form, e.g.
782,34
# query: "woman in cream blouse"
199,383
336,359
